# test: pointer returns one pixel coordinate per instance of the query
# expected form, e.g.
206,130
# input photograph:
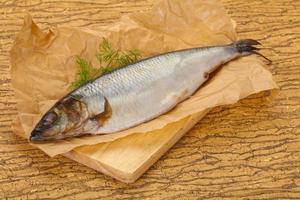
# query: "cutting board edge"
127,177
194,119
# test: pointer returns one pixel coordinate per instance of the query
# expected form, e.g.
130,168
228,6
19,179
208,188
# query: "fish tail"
247,46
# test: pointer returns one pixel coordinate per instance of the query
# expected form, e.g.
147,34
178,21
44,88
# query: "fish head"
61,121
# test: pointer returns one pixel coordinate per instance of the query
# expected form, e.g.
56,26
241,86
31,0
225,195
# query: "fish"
136,93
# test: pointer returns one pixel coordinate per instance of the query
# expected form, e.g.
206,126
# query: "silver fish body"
144,90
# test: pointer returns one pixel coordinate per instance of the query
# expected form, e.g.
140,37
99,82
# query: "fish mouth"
36,137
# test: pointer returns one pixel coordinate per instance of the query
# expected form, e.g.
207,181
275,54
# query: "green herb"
109,60
84,74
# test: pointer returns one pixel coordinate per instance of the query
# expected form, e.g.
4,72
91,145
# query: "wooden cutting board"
126,159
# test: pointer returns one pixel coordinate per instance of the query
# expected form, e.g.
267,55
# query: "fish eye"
50,118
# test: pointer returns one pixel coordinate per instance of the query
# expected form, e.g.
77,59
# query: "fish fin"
105,115
247,46
95,103
93,124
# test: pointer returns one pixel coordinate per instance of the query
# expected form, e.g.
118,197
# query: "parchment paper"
43,64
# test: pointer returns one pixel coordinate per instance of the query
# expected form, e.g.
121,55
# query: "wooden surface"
128,158
250,149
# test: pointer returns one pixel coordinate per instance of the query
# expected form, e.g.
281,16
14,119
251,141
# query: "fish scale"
136,93
154,87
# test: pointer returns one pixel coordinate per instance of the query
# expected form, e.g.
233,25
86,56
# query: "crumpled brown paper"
43,64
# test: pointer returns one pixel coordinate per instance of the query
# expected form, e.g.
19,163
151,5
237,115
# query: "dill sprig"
109,59
84,74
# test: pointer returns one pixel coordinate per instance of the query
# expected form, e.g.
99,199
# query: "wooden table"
250,149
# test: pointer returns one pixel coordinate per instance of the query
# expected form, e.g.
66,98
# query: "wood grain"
248,150
128,158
